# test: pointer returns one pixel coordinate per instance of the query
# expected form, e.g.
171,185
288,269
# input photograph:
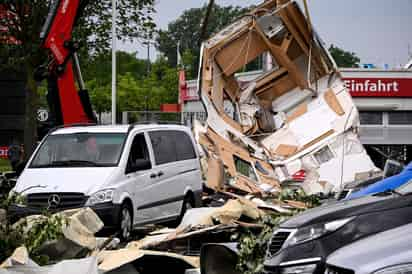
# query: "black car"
302,243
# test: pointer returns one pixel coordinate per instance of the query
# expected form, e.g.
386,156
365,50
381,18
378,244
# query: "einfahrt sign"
379,87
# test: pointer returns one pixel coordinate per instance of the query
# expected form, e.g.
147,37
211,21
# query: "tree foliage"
32,235
344,59
136,89
252,244
186,30
23,23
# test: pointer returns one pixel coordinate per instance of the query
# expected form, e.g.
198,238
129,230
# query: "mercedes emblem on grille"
53,201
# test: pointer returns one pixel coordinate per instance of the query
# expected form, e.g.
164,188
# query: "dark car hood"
388,248
343,209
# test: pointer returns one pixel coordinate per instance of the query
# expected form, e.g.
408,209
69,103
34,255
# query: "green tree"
25,20
99,66
136,91
344,59
186,30
100,96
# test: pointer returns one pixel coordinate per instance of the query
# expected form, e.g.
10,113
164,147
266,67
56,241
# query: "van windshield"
80,150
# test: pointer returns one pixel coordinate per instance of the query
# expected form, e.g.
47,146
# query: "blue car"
386,184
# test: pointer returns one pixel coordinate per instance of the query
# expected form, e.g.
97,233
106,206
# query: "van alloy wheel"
125,223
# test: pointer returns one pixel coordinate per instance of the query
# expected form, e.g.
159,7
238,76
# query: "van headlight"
99,197
395,269
312,232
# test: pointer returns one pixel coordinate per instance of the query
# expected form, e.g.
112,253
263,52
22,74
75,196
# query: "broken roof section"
296,121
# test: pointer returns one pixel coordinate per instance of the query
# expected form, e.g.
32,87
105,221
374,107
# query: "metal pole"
114,62
148,74
78,71
148,58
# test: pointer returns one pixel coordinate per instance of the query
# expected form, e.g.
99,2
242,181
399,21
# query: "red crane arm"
71,106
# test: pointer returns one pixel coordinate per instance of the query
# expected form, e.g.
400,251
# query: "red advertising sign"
191,94
3,152
379,87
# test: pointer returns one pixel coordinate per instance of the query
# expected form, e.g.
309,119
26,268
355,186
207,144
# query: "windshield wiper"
74,163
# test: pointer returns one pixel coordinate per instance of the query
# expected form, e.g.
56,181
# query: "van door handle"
160,173
153,175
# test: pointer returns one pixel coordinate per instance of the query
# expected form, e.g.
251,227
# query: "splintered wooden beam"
283,60
302,41
232,87
300,27
299,20
267,5
287,41
294,31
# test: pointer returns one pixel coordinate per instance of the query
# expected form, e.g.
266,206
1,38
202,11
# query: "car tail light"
299,176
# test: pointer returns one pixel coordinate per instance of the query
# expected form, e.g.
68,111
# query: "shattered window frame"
323,155
245,168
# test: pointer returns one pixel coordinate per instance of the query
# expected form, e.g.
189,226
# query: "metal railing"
185,118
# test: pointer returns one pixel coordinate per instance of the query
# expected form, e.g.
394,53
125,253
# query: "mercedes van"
129,175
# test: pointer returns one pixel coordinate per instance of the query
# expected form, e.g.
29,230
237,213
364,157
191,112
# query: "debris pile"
295,125
178,248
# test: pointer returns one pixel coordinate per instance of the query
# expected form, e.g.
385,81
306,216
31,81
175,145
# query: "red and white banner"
182,87
3,152
379,87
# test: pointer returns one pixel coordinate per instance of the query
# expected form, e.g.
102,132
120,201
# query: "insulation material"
82,225
215,173
20,256
79,228
282,118
226,214
20,263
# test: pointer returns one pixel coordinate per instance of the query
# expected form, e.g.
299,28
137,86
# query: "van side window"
184,146
164,147
138,150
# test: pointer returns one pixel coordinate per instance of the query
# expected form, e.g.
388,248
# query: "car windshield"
79,150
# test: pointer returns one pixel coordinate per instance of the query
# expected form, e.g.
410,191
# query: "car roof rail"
72,125
154,123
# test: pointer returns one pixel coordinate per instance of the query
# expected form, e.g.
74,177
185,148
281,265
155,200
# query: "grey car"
383,253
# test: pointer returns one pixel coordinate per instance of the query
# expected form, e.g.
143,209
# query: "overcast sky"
379,31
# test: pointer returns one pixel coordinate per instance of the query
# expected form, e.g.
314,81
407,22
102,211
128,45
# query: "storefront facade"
384,101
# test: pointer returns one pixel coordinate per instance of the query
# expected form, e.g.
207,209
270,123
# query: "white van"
129,175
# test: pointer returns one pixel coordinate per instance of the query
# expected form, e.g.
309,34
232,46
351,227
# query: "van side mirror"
139,164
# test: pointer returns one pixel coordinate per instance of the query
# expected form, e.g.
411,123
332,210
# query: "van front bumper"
107,212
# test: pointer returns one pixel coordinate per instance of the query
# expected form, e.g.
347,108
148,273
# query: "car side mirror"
139,164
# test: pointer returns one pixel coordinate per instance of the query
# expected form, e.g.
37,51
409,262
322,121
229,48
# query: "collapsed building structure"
296,123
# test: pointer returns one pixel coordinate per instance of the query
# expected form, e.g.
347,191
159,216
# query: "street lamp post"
114,62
